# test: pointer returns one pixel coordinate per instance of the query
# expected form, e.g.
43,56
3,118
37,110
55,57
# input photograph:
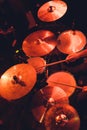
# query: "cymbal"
52,10
39,43
46,97
71,41
38,63
17,81
64,80
62,117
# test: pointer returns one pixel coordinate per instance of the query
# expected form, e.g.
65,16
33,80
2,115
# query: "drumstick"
53,63
57,62
66,85
50,64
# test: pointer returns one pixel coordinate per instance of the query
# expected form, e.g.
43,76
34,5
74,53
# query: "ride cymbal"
39,43
52,10
45,98
71,41
62,117
17,81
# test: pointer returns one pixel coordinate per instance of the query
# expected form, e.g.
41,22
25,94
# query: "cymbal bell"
39,43
52,10
62,117
17,81
64,80
46,97
71,41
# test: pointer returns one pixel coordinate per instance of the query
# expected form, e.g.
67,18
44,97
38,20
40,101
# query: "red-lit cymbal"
64,80
39,43
71,41
62,117
52,10
17,81
45,98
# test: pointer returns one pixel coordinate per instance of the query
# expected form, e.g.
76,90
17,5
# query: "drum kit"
50,104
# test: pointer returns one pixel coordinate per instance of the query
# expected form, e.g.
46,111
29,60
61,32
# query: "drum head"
38,63
64,80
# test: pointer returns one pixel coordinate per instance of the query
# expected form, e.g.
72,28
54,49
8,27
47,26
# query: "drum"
65,80
38,63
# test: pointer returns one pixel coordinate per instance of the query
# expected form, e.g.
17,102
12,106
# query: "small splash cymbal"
52,10
17,81
39,43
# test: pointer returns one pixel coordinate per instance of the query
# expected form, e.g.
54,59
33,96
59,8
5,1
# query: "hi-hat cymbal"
52,10
71,41
17,81
45,98
64,80
39,43
62,117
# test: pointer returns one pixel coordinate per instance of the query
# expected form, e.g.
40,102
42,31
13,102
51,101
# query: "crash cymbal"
17,81
52,10
71,41
64,80
39,43
62,117
45,98
38,63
